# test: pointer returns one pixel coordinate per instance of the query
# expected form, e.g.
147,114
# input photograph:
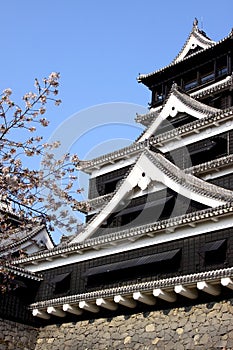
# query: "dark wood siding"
191,260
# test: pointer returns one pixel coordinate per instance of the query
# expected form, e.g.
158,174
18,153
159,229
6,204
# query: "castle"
158,232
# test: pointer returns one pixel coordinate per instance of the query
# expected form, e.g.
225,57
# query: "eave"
148,232
203,168
219,86
226,83
153,167
19,271
212,165
194,127
146,78
176,102
146,119
27,236
169,289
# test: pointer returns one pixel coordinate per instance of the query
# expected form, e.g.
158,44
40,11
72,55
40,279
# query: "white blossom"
7,91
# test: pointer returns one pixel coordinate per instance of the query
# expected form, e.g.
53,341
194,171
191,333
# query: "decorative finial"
195,22
174,86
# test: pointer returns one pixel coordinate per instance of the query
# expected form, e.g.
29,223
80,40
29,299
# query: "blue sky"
99,47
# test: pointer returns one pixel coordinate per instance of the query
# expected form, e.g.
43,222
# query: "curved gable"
177,102
196,41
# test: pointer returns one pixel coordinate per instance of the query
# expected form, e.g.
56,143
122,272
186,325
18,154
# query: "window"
208,77
132,269
190,85
158,94
110,185
61,283
221,71
160,97
215,252
221,66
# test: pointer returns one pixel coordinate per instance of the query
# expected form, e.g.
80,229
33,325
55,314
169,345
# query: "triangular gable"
177,102
197,40
154,167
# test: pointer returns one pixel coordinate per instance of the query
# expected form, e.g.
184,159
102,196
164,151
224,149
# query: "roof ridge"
197,105
190,181
141,77
186,100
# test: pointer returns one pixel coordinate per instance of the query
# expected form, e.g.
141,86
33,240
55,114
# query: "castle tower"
159,228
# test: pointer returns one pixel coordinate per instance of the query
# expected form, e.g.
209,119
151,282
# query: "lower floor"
199,327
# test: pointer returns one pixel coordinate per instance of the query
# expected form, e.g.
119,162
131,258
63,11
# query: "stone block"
230,334
180,331
150,328
193,318
204,339
226,316
127,340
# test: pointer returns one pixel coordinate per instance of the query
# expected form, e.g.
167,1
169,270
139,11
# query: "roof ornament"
174,86
195,23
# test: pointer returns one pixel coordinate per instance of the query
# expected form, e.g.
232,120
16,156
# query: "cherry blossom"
21,187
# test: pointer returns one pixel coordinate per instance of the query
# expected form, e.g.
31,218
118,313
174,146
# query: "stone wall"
200,327
15,336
